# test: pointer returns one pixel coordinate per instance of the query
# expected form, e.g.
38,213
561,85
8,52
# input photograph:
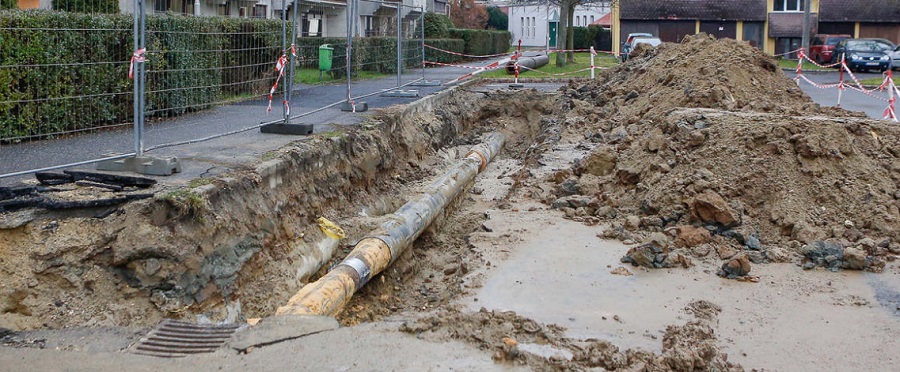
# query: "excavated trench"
237,247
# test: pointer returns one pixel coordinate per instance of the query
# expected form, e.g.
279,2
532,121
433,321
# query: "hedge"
437,26
483,42
87,6
453,45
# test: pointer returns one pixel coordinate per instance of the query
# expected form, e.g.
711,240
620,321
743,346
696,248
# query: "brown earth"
711,133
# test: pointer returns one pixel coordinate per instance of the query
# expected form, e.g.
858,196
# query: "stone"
621,271
618,134
710,207
628,176
736,267
756,257
725,251
777,254
659,239
642,255
854,259
676,259
689,236
805,233
821,249
632,222
600,162
752,242
657,141
567,187
702,250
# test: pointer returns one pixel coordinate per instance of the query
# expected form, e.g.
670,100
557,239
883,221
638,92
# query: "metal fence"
138,80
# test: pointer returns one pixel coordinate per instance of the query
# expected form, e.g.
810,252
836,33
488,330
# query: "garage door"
720,30
890,32
674,31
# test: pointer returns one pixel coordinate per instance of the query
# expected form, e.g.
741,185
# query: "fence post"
399,92
424,82
352,18
140,17
292,58
286,61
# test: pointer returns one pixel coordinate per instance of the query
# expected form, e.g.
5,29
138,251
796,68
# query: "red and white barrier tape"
787,53
280,67
820,86
488,67
467,55
137,57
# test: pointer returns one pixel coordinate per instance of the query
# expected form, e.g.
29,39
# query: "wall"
541,15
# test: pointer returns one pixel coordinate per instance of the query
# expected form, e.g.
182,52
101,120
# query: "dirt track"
682,167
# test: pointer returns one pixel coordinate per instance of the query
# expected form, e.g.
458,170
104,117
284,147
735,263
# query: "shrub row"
453,45
437,26
483,42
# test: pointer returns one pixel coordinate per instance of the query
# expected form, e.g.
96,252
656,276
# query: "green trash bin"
326,52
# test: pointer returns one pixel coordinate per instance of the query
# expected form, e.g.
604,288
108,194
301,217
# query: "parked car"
887,44
895,58
863,55
627,44
649,40
821,48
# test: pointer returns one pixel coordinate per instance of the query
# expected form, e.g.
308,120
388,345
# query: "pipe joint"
363,272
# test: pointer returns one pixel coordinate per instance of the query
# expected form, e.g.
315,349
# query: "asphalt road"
850,99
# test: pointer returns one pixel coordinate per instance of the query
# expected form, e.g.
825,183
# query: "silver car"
895,58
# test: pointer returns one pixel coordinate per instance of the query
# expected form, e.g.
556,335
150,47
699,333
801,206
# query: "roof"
605,21
860,11
705,10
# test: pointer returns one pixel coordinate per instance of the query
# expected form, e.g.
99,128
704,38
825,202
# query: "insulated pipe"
373,254
530,63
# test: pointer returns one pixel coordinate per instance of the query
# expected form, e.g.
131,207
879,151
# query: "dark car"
821,49
863,55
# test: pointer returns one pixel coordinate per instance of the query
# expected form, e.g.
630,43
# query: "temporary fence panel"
63,72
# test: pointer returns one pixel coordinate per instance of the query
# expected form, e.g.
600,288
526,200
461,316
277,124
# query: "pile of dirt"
510,337
709,142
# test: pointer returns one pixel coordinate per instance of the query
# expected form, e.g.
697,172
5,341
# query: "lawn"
876,81
311,76
582,61
807,66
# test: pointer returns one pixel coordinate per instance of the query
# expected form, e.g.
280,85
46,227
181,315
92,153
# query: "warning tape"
820,86
467,55
463,66
136,57
280,67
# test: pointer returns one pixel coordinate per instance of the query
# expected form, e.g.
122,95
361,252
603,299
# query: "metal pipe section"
373,254
528,63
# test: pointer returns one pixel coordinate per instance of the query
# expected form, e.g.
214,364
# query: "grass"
582,61
877,81
807,65
311,76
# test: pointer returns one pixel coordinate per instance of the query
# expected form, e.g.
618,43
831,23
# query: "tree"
497,20
467,14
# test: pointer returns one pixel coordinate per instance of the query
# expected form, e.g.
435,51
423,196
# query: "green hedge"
453,45
53,80
483,42
585,37
87,6
8,4
437,26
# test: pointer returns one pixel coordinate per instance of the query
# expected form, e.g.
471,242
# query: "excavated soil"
711,134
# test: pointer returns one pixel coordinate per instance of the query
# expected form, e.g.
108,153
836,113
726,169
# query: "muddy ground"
688,210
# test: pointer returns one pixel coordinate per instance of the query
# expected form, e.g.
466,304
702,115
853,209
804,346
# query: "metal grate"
174,339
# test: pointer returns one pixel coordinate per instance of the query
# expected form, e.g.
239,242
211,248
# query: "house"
318,18
537,25
775,26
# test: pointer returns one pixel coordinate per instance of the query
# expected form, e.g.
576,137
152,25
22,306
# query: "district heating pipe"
530,63
375,253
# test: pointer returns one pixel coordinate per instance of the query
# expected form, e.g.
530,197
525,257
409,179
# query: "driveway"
851,99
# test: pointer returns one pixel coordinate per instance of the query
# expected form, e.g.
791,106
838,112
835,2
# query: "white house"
536,25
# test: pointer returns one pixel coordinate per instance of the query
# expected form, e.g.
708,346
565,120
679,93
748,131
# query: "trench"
236,247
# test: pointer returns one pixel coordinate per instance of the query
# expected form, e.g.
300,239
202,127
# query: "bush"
437,26
87,6
584,36
453,45
8,4
483,42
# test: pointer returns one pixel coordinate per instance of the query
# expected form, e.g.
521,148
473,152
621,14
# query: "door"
720,30
552,30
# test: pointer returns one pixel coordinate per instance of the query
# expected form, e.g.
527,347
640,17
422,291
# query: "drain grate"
174,339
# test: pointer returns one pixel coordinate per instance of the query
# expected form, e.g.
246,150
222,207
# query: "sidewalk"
221,154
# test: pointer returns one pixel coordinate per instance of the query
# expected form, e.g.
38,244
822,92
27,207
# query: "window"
533,30
522,24
788,5
161,6
368,24
592,19
584,21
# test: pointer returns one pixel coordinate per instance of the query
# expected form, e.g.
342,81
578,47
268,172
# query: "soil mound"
710,133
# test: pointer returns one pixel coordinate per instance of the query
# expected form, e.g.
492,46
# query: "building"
537,25
775,26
